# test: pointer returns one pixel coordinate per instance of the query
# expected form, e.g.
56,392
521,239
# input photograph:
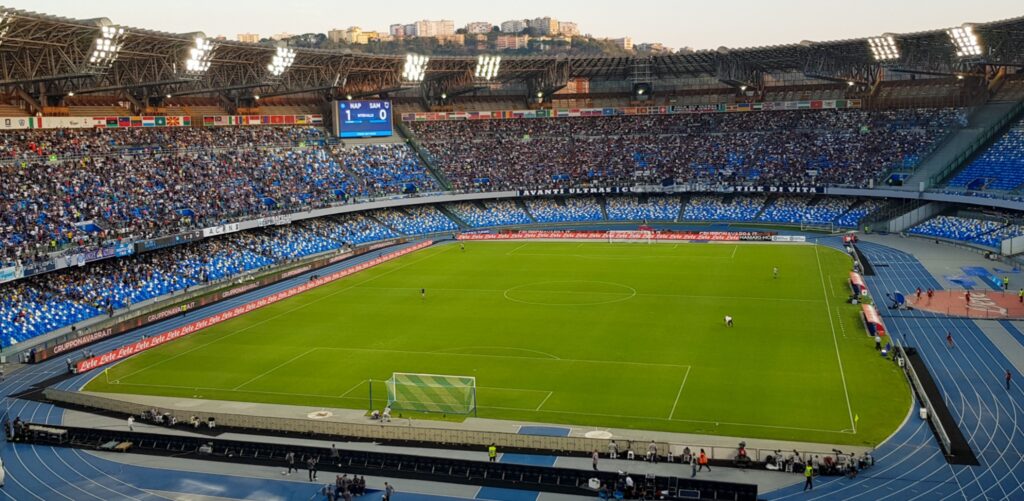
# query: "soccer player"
949,340
462,246
1008,377
728,321
423,293
775,272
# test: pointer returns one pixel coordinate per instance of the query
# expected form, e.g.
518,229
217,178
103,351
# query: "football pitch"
596,334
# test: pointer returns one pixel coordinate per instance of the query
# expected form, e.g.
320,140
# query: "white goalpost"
435,393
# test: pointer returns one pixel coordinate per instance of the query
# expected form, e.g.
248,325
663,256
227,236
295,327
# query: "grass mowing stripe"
832,323
598,293
612,365
287,312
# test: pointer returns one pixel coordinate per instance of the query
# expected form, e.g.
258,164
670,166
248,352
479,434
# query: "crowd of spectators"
718,208
88,187
849,147
549,210
387,169
415,220
496,213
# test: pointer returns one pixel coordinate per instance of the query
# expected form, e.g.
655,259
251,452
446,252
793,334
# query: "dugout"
872,320
857,284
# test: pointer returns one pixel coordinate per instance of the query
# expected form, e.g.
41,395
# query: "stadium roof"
38,48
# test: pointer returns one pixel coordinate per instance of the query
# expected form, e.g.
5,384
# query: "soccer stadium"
287,269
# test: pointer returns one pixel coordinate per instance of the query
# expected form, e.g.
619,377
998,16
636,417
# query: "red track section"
983,304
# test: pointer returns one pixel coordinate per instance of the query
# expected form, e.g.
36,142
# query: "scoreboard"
354,119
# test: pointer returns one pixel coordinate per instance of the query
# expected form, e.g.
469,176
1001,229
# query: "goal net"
432,393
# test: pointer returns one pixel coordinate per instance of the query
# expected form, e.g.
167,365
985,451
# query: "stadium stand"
714,208
416,220
652,209
548,210
997,168
497,213
859,211
798,147
386,168
956,228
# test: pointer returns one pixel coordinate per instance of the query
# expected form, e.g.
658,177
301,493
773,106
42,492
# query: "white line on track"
679,393
835,341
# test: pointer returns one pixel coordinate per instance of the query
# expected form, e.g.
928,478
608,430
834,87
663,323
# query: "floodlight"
444,95
540,95
71,94
415,67
850,83
106,47
283,59
487,67
743,88
348,96
169,96
965,41
884,48
256,97
199,57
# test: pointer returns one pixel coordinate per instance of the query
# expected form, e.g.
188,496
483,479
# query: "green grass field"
615,335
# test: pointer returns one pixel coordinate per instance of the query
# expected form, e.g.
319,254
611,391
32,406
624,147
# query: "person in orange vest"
702,460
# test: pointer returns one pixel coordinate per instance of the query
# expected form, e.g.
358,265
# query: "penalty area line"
544,401
680,392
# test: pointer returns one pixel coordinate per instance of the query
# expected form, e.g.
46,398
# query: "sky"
684,23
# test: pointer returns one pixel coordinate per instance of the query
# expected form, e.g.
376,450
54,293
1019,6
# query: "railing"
976,145
923,397
422,431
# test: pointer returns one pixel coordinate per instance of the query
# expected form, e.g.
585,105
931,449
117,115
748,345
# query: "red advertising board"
703,236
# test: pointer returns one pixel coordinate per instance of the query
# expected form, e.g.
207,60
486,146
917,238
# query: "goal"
432,393
824,227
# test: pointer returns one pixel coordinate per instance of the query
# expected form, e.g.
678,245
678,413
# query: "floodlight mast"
415,68
965,42
282,60
200,56
884,48
106,48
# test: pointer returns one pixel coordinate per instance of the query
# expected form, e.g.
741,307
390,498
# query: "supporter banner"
700,236
220,230
8,274
166,337
632,110
576,191
169,241
119,122
229,120
798,189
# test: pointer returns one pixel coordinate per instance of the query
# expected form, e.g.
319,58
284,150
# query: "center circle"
570,293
